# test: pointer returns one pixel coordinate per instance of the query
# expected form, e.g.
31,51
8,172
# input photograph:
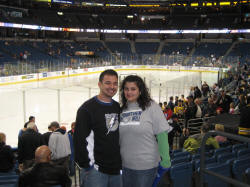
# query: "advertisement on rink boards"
85,71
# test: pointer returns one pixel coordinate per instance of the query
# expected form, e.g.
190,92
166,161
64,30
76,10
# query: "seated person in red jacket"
44,173
7,158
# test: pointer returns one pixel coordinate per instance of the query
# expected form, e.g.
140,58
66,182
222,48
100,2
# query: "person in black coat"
7,159
27,144
224,102
176,131
43,173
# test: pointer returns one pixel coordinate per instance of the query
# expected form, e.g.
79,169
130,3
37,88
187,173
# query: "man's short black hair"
108,72
31,117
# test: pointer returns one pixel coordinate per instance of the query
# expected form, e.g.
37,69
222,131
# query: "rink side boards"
17,79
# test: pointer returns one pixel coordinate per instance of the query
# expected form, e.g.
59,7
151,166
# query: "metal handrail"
202,162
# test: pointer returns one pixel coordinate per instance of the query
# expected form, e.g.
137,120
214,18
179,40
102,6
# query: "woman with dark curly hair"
143,135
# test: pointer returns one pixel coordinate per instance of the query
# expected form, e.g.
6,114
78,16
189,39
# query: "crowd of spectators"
41,159
53,150
230,96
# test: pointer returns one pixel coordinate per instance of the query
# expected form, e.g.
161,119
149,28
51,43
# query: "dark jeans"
94,178
138,178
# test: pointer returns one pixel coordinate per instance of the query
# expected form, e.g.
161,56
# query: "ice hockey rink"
59,99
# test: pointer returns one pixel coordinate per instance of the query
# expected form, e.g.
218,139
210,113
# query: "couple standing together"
131,139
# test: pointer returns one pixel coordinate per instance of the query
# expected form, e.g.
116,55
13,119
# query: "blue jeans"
94,178
138,178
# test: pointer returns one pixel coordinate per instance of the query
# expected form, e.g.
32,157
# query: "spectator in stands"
197,92
165,104
184,136
224,102
141,120
242,102
63,128
199,106
232,108
244,127
215,89
31,119
44,173
183,99
27,145
194,142
171,103
205,89
71,132
191,92
190,111
168,112
46,135
218,138
96,135
176,131
176,101
59,145
7,158
179,109
161,105
210,108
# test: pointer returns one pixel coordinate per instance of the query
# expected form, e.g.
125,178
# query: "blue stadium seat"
9,182
239,167
243,153
223,169
210,160
247,174
180,154
180,160
224,157
224,144
176,151
197,156
9,179
3,177
237,147
8,173
222,150
181,174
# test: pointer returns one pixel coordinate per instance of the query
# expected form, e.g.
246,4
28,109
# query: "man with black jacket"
7,159
27,144
44,173
96,136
